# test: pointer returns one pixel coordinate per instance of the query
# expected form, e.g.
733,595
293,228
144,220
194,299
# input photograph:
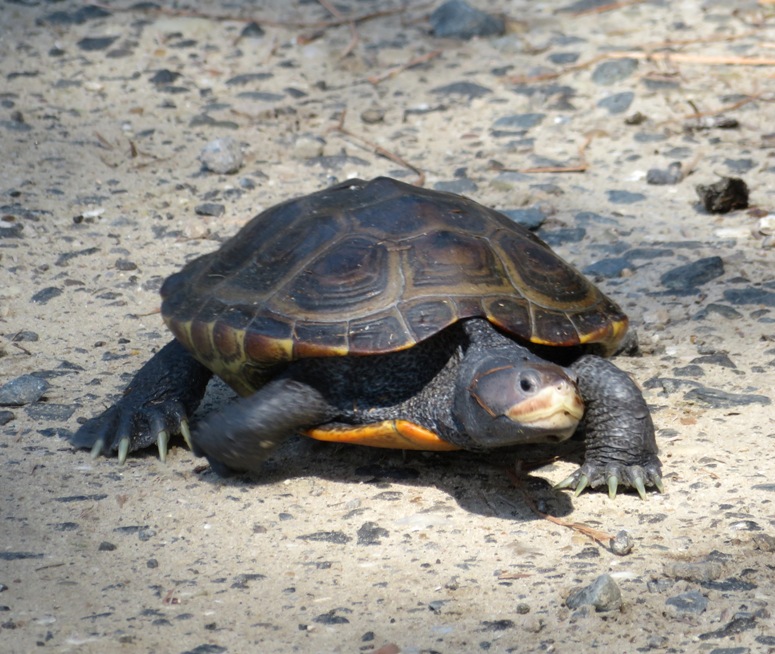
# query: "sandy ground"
337,549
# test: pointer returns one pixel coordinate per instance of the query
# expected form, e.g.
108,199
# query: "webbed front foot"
156,405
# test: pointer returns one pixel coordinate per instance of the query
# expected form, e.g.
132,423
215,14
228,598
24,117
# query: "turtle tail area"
242,436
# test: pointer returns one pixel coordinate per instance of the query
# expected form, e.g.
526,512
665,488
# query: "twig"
581,167
725,109
392,72
354,38
602,537
378,149
609,7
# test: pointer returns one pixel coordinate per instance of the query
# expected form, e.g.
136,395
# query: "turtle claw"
186,433
613,485
565,483
123,450
583,482
657,481
162,441
639,486
97,448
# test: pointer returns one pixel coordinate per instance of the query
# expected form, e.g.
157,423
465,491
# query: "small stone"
672,175
751,295
609,268
562,236
624,197
105,546
622,543
23,390
531,218
690,603
693,274
467,89
6,417
252,30
614,70
739,166
603,594
617,103
719,399
706,569
222,156
457,19
459,186
373,115
519,121
370,534
163,77
95,43
214,209
727,194
333,617
308,146
125,265
46,294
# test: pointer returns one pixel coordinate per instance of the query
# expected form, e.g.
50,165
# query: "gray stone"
693,274
689,603
519,121
468,89
750,295
624,197
23,390
531,218
617,103
457,19
222,156
603,594
719,399
615,70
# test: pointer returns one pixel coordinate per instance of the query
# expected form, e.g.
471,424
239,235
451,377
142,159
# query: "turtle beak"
555,409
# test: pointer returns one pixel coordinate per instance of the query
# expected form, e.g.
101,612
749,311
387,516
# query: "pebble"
726,195
23,390
719,399
77,17
690,603
739,166
458,19
707,569
467,89
531,218
672,175
617,103
609,268
96,43
214,209
222,156
603,594
50,412
519,121
370,533
750,295
622,543
615,70
693,274
6,417
557,237
45,295
624,197
308,146
252,30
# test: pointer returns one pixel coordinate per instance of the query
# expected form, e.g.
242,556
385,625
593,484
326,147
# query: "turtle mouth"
555,410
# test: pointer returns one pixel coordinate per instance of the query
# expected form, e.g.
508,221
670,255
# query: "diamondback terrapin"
388,315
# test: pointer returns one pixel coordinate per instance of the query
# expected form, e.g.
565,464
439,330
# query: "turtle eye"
528,383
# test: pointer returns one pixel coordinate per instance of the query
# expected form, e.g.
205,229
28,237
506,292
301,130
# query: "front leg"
242,436
620,443
158,402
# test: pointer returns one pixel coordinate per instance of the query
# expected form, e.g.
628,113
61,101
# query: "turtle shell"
373,267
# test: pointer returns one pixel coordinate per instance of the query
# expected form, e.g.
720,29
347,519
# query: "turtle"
385,314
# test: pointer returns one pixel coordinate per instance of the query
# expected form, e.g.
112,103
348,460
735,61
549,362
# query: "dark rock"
46,294
66,257
531,218
731,584
96,43
727,194
750,295
690,603
370,534
617,103
105,546
739,166
252,30
672,175
6,417
242,580
561,236
689,371
457,19
603,594
247,78
614,70
497,625
564,58
45,411
125,265
659,83
163,77
467,89
718,359
19,556
261,96
333,617
209,209
519,121
608,268
76,17
719,309
336,537
693,274
650,137
736,626
624,197
719,399
23,390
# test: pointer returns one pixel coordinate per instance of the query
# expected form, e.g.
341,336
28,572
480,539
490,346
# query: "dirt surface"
103,115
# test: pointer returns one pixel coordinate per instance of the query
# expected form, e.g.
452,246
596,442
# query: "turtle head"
502,400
